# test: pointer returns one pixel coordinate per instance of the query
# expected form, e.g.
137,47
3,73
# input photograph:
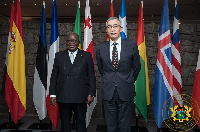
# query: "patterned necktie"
72,57
115,61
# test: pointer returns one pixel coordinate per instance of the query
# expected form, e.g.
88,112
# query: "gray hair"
112,18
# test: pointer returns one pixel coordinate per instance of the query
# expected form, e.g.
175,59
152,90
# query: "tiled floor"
96,125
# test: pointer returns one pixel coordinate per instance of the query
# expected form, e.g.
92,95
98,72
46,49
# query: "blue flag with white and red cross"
163,85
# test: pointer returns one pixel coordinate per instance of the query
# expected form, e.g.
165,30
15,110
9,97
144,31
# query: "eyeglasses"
72,41
114,26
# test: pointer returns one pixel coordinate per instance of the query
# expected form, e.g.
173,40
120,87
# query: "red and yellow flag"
111,14
15,89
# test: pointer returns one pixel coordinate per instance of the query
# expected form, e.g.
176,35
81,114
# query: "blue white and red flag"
176,60
163,85
53,111
122,18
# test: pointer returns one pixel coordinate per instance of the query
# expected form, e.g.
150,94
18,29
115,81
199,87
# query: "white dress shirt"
74,53
118,48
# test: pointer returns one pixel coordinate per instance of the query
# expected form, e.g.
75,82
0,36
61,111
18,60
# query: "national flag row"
168,67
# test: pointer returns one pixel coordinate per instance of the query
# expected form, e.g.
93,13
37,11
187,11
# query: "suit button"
76,76
67,76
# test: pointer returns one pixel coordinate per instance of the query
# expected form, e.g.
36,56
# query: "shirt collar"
118,41
75,52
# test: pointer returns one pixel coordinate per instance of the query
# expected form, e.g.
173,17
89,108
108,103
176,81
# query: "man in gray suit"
73,83
118,62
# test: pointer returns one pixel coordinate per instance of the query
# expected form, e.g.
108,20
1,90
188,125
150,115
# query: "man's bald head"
72,41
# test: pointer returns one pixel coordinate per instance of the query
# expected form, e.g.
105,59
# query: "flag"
195,94
40,76
111,14
77,27
15,89
142,98
53,111
89,47
163,85
176,60
12,13
122,18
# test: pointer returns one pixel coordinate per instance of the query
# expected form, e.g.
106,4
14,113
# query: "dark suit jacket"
126,74
72,83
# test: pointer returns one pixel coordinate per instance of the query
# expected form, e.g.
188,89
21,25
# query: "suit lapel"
78,58
77,61
122,54
71,66
68,63
107,52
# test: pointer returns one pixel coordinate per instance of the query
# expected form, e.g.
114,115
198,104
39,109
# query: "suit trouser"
65,114
118,114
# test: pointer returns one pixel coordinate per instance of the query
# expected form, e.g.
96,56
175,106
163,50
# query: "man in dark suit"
118,62
73,83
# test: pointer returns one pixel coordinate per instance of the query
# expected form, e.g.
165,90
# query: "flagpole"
44,4
136,122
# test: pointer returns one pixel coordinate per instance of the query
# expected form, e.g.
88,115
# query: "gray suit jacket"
72,83
126,74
